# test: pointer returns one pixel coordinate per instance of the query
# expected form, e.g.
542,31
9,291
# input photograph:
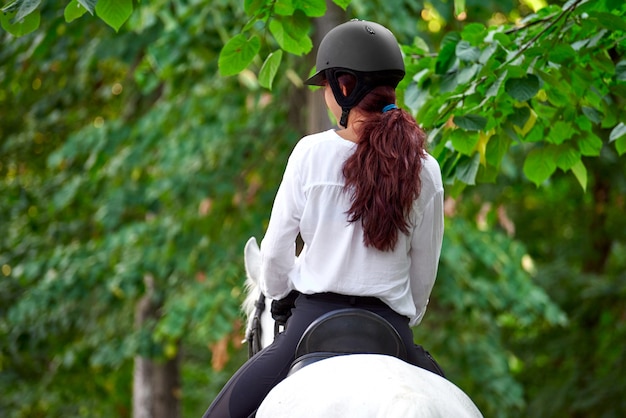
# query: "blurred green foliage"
125,155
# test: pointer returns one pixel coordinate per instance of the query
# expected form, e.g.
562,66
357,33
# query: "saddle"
347,331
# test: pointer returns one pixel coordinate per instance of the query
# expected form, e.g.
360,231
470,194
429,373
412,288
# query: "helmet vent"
370,30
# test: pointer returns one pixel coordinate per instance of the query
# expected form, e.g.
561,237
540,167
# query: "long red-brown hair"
383,175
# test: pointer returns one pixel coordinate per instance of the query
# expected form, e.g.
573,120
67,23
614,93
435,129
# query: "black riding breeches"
246,389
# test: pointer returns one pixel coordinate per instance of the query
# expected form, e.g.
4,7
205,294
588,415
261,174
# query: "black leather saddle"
347,331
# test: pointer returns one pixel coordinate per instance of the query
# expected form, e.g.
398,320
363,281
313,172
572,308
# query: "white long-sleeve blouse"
311,201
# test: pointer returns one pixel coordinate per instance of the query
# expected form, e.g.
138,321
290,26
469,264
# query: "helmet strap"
345,111
361,88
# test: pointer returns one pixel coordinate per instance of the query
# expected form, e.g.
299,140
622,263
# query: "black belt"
347,299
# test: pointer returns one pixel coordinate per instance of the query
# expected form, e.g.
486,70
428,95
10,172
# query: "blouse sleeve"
278,245
425,252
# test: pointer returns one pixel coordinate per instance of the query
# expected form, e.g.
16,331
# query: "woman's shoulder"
325,139
431,163
316,138
431,174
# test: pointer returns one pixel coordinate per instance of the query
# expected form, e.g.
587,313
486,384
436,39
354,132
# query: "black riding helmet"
368,51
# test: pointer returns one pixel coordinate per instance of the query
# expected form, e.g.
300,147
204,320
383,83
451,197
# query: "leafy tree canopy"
127,163
553,83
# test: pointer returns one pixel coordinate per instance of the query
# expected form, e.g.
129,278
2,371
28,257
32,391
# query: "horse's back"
364,386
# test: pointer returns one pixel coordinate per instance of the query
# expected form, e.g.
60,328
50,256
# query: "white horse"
355,385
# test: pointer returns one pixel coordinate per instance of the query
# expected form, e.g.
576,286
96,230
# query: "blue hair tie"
389,107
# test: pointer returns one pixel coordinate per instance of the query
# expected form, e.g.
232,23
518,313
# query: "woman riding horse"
367,200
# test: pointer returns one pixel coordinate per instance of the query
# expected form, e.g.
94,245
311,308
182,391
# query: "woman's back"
335,258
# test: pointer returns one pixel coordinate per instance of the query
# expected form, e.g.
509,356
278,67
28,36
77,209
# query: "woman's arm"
278,245
425,252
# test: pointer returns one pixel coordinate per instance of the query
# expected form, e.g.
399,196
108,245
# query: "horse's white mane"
252,262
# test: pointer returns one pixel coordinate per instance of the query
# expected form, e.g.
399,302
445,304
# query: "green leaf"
311,8
590,145
22,8
413,96
618,132
73,11
20,28
566,157
284,7
474,33
494,88
562,53
584,123
11,7
603,63
467,169
520,116
463,141
502,38
613,4
539,165
522,88
535,51
558,96
342,3
114,12
620,145
537,133
610,112
447,56
420,45
467,74
252,6
592,114
497,148
291,33
237,54
609,20
581,79
90,5
449,82
471,122
487,53
270,68
620,71
430,115
560,131
580,171
466,52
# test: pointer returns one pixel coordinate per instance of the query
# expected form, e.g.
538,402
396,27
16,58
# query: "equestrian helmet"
366,50
360,46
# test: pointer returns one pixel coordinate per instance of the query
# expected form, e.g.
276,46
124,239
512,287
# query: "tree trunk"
142,389
318,115
156,385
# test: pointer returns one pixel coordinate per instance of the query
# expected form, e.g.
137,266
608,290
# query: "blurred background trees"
132,172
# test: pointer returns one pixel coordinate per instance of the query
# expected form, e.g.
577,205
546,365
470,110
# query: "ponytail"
383,175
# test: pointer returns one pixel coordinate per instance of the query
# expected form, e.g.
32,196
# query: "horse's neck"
252,260
253,293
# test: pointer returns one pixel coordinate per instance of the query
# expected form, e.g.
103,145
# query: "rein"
254,336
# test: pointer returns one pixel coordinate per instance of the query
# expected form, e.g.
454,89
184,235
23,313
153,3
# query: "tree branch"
563,14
